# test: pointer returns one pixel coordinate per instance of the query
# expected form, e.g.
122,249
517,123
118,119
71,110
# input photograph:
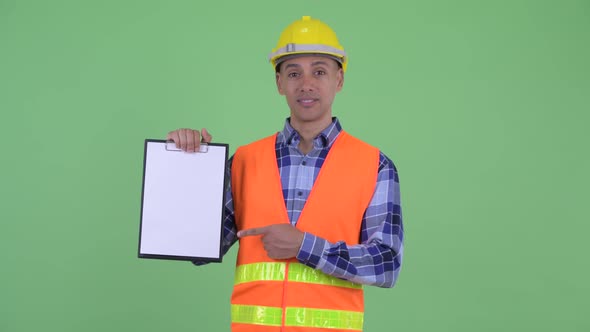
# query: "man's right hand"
189,140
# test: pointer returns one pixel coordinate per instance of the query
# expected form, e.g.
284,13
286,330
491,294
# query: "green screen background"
482,105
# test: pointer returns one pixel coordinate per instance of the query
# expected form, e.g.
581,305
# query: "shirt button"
299,193
304,163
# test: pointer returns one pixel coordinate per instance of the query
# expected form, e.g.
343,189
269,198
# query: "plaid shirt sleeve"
377,259
230,230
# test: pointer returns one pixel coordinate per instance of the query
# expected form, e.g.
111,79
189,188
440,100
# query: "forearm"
229,232
377,259
373,263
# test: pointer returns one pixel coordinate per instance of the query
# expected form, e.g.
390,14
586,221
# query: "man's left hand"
281,241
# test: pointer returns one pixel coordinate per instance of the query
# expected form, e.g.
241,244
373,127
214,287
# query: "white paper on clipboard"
182,202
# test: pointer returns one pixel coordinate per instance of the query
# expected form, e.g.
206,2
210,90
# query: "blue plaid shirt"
377,259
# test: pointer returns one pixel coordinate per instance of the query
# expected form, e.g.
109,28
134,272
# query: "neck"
308,131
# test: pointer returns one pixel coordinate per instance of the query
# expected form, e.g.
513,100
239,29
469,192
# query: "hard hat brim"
284,58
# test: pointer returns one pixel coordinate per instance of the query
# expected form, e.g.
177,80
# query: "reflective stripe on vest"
299,317
275,271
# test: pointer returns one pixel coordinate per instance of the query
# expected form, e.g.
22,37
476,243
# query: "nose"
307,83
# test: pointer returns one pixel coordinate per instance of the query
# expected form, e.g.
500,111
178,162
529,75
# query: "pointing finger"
252,231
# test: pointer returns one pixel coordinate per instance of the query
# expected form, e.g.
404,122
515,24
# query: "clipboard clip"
171,146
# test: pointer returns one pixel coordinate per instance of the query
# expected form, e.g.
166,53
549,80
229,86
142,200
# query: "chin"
309,118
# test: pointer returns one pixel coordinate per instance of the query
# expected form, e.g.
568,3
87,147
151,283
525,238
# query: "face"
310,83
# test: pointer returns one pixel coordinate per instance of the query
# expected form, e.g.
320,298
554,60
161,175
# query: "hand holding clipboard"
189,140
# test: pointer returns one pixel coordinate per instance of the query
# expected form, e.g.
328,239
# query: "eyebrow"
292,65
319,63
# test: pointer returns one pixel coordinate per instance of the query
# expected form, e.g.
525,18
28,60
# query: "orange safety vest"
284,295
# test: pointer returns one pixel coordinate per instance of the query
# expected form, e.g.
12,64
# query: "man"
316,211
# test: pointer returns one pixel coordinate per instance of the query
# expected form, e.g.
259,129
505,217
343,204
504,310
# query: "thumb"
206,136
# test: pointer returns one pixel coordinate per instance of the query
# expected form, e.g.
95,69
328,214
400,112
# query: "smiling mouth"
307,101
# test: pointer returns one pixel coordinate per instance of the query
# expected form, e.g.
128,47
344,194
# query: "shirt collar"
289,136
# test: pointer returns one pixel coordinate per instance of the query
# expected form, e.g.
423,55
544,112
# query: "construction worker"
316,211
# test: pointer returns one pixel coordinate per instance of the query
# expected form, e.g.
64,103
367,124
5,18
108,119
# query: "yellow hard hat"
308,36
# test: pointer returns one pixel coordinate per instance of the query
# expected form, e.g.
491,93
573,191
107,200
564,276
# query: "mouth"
307,102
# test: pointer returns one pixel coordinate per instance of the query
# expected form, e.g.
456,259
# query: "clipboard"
182,202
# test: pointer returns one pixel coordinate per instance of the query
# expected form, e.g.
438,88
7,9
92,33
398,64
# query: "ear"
279,84
340,79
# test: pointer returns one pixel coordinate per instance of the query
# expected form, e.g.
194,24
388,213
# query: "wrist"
311,250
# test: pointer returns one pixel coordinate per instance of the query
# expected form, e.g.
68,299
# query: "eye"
320,72
292,74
